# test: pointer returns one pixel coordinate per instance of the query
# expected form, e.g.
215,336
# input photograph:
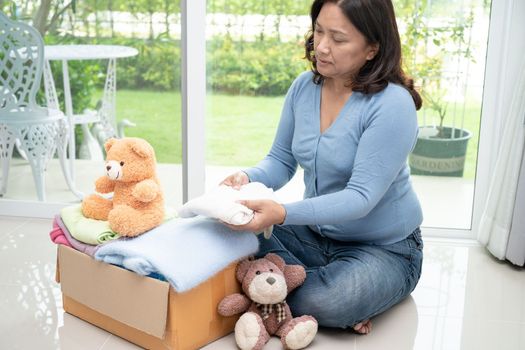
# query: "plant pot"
439,156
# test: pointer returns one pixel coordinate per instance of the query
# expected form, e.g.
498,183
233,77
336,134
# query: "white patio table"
106,115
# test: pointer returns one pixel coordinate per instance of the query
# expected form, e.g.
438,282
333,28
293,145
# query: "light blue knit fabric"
185,251
357,181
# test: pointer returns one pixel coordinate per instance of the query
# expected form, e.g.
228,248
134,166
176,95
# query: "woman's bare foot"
363,327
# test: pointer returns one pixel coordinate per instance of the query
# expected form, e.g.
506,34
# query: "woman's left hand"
266,214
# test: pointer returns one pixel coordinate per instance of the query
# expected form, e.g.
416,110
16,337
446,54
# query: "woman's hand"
266,214
236,180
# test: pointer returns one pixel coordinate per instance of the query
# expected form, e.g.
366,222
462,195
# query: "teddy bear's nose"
270,280
108,167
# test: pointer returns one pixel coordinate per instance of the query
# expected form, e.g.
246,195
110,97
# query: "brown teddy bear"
266,283
137,204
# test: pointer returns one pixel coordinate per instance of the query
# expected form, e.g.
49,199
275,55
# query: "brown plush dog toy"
266,283
137,204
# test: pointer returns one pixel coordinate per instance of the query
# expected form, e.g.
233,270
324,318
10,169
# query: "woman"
350,124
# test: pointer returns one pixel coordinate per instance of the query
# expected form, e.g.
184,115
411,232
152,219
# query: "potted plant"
440,150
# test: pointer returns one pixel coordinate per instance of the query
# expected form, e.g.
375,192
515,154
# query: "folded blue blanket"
186,251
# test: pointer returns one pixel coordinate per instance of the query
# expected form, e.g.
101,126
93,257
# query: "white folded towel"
221,203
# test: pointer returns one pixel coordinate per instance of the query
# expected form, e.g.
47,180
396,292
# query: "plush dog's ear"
141,148
242,269
276,259
109,143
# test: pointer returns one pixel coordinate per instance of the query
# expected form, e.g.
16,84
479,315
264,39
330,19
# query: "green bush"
156,67
253,68
250,68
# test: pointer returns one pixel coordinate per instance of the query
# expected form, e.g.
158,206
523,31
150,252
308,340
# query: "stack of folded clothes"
184,252
71,228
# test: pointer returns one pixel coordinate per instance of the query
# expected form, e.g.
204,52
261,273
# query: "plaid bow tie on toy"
267,309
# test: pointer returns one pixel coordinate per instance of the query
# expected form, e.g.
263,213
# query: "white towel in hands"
222,203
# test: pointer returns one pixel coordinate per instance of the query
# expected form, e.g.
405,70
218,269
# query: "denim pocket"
416,237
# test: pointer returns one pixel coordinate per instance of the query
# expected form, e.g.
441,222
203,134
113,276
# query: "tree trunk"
97,21
111,22
40,19
150,12
41,15
167,17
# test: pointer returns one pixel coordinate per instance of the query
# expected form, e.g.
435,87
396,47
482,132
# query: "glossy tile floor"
465,300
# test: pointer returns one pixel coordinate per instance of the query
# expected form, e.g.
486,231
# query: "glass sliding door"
254,53
255,50
138,93
445,44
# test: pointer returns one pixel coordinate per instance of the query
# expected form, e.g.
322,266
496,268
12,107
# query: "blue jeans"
346,282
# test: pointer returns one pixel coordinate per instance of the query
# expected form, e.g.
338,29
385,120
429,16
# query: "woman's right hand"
236,180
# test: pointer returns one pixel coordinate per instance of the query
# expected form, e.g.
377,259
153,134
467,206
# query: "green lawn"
239,129
157,115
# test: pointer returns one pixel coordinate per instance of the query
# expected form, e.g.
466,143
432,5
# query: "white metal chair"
40,131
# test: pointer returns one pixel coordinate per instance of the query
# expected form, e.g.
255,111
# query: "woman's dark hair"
376,20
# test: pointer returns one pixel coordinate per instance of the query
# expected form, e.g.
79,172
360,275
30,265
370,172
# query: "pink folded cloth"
57,235
89,249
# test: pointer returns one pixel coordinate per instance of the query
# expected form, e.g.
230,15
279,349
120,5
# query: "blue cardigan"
357,181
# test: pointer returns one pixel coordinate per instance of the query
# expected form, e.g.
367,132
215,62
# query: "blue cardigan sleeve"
390,132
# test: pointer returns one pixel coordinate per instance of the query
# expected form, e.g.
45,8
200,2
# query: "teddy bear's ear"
294,276
276,259
242,269
109,143
141,149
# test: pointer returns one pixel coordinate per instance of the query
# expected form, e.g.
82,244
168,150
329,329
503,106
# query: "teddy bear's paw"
250,333
299,333
96,207
130,222
126,221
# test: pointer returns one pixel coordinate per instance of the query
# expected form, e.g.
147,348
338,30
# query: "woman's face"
340,49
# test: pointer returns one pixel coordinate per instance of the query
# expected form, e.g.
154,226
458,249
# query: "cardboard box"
143,310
